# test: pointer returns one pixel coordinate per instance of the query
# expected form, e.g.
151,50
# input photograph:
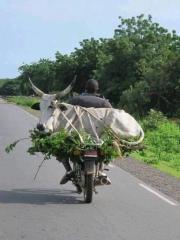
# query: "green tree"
138,68
65,70
86,58
42,74
9,88
136,60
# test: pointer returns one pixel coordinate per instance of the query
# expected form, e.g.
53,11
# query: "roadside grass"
162,145
23,100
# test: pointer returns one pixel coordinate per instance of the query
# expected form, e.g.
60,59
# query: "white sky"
34,29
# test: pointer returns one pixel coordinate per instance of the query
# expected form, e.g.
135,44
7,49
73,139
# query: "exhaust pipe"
104,180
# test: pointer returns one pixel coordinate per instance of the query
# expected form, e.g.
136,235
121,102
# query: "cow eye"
51,106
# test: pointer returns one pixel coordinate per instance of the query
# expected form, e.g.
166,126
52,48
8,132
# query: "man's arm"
107,104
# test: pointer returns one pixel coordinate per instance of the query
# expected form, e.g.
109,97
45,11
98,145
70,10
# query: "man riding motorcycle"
90,98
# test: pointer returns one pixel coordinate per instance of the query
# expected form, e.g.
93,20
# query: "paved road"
44,210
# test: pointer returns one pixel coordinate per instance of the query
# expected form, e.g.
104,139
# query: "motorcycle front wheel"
88,188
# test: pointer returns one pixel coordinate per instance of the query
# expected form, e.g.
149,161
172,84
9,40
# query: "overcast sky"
34,29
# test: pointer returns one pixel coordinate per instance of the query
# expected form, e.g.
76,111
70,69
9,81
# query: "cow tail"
135,142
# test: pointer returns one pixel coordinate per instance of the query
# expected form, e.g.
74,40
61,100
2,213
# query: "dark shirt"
90,100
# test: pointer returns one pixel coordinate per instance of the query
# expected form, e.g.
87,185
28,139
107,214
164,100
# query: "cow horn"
36,90
66,90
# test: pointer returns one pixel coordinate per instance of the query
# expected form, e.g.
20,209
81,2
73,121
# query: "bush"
10,88
153,119
135,100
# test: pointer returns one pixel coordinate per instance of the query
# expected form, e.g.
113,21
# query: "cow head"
48,105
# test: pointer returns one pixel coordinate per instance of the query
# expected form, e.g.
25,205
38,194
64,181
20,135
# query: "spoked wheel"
88,188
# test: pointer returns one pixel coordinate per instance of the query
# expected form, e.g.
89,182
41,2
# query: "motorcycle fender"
89,167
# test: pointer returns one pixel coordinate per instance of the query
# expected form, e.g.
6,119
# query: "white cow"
56,115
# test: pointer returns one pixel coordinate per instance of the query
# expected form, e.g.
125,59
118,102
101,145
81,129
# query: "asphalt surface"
44,210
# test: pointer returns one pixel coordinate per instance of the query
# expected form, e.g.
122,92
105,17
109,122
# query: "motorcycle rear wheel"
88,188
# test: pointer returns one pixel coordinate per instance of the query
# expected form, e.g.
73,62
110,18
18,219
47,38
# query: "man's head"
92,86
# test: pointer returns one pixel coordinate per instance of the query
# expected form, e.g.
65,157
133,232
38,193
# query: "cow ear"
62,107
36,106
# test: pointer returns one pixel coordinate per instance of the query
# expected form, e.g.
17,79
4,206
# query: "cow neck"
70,123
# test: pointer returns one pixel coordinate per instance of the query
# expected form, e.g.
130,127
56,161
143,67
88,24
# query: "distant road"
44,210
1,100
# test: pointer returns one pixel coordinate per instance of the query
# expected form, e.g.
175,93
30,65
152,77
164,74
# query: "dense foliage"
9,87
138,68
65,144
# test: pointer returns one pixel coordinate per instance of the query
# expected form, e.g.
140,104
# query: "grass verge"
162,145
23,100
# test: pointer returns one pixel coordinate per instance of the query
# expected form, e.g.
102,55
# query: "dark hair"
92,86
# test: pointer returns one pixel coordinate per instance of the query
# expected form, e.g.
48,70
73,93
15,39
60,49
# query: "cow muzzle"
40,127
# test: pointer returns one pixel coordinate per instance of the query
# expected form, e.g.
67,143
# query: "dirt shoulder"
151,176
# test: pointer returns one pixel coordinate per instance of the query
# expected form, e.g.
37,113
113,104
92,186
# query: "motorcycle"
88,174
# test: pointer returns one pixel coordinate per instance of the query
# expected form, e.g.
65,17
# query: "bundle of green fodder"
64,144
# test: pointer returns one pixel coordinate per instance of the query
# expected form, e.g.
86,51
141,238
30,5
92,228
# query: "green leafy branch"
11,146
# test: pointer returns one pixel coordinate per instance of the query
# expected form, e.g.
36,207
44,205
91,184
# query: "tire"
88,188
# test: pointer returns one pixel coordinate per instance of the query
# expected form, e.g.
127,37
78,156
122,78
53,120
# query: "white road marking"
157,194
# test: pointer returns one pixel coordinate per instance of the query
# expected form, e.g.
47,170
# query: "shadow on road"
39,196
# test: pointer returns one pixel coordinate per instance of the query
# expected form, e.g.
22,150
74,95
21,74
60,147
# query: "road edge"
163,182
